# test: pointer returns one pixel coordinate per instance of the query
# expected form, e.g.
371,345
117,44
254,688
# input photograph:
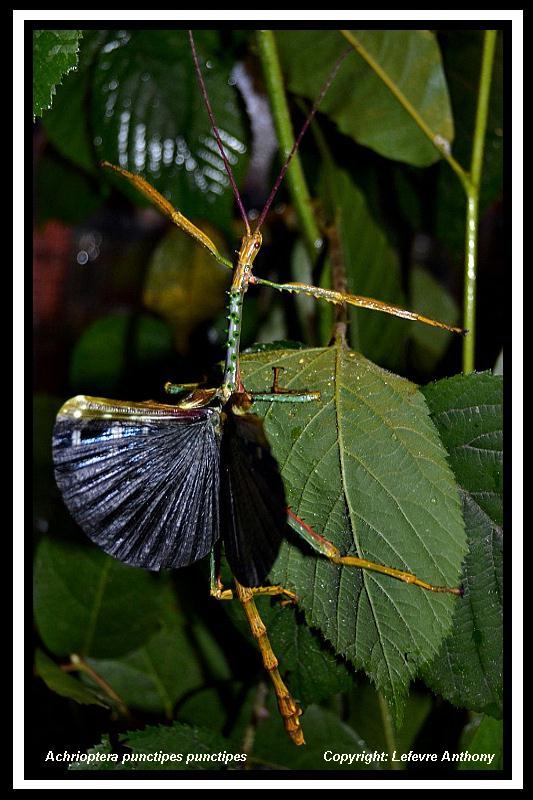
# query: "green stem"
388,730
435,139
77,663
472,202
298,190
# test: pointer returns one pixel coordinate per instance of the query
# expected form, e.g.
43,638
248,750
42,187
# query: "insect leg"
328,549
168,210
288,707
338,298
290,598
278,394
216,587
179,388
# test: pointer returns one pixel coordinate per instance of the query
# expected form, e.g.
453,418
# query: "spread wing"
141,479
253,505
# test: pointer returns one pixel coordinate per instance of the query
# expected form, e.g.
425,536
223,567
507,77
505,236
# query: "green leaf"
67,123
63,684
185,285
75,186
433,300
216,706
372,269
100,757
324,733
369,715
184,747
169,665
358,100
307,663
364,467
180,738
483,737
467,411
148,116
55,53
462,61
88,603
114,345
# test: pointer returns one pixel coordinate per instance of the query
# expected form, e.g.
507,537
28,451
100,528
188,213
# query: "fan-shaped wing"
141,479
253,505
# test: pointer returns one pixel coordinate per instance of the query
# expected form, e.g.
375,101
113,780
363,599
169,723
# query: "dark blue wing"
253,506
141,479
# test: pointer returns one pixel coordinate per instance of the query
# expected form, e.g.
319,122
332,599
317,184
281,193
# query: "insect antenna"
325,86
216,133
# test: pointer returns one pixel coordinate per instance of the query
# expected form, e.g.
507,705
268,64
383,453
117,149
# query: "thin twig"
339,281
78,664
388,729
295,177
258,714
472,202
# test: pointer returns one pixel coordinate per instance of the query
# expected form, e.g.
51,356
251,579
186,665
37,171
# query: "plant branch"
78,664
472,202
259,713
435,139
297,186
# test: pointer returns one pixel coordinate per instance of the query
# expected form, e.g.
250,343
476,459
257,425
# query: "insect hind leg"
328,549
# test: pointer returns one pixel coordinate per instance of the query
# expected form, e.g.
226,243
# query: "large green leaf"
146,113
149,116
372,269
365,467
358,100
467,411
88,603
169,665
55,53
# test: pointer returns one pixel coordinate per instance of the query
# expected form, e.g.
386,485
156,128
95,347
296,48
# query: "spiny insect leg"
288,707
328,549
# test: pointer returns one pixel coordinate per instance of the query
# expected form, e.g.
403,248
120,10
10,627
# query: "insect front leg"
341,298
277,394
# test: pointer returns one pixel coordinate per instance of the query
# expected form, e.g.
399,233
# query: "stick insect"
161,485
